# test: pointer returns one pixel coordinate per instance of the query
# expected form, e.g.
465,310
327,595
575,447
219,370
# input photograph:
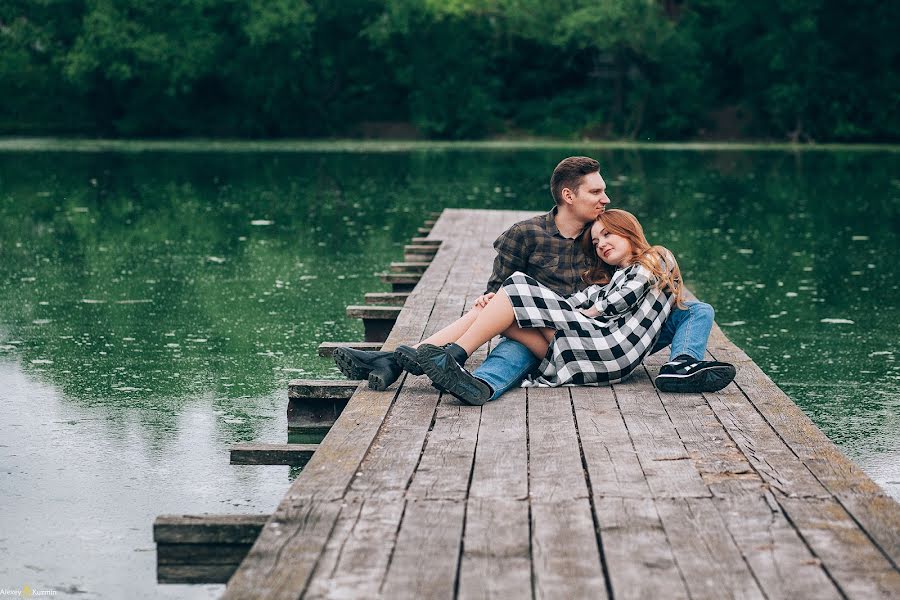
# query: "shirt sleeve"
587,297
621,298
512,250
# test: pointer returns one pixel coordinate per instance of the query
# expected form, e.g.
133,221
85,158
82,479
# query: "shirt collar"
554,230
551,222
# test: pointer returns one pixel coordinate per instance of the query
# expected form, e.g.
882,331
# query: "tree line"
804,70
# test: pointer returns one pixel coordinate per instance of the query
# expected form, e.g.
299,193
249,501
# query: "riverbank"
53,144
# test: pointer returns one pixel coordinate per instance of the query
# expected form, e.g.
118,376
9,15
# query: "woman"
598,335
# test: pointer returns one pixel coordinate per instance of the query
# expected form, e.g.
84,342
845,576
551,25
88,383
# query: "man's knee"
702,310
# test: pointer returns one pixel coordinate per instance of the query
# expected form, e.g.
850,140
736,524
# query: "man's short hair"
568,174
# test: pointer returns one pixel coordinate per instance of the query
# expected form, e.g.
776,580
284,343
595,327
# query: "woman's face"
612,249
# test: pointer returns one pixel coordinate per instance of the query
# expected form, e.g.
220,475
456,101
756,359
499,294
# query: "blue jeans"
687,331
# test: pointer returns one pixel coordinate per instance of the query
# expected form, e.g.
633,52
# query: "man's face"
589,199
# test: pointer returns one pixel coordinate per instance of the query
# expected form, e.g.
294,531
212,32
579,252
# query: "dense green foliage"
823,70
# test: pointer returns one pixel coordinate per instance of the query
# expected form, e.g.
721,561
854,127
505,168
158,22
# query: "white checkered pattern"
585,350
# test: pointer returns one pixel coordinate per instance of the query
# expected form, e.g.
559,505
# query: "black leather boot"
357,364
387,370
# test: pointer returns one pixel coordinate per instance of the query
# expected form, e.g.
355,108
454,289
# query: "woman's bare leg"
493,320
534,339
453,331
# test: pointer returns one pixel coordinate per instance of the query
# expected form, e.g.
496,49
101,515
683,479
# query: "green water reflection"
149,280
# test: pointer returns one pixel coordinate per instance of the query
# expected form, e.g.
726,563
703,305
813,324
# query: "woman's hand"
591,312
482,301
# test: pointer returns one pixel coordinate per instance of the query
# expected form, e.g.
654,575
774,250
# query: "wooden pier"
574,492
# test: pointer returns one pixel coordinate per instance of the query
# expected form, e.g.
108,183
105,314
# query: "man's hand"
481,301
591,312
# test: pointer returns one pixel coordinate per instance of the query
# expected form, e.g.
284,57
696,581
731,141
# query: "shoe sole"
408,362
709,379
377,381
350,366
449,380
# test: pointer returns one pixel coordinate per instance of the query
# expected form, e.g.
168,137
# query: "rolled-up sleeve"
512,253
621,298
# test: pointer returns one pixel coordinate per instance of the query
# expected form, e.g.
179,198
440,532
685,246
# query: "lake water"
153,306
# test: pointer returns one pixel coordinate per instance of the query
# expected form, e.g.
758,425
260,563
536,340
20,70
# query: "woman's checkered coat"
603,349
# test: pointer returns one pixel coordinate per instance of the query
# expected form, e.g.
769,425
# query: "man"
547,248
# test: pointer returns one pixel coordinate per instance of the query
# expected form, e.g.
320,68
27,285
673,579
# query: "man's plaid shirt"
537,248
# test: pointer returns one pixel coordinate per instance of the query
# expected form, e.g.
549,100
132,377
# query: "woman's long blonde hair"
653,258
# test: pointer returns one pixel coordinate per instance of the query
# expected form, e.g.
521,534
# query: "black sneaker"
687,374
406,357
447,374
379,368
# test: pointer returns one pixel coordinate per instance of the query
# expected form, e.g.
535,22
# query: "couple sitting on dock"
579,296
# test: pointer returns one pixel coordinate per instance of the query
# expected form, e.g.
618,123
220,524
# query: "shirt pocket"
543,267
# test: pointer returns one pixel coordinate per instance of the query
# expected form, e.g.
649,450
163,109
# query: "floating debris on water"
745,251
42,321
860,238
838,321
791,294
881,353
261,222
197,340
215,259
90,301
733,323
142,301
41,361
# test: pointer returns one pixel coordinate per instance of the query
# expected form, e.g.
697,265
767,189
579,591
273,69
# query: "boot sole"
451,380
378,381
350,366
408,361
709,379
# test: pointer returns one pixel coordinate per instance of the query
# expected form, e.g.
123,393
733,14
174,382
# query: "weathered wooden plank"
879,517
668,467
314,405
426,554
425,241
423,230
555,467
638,557
425,249
390,462
565,558
366,311
501,459
779,559
711,564
723,466
496,561
565,554
359,550
207,529
272,454
395,278
446,464
201,554
611,460
394,456
322,388
853,561
386,298
763,447
327,348
195,573
282,559
313,415
417,266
